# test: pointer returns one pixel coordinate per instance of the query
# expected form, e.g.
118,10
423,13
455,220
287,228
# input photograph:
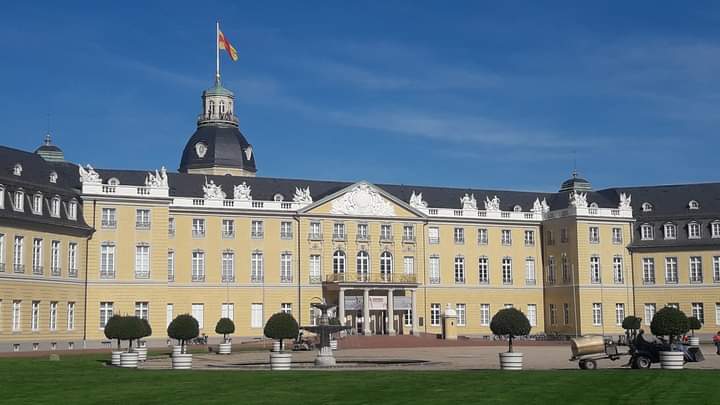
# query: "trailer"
587,350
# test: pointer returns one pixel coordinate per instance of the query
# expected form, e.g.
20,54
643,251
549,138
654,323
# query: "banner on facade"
402,303
353,303
378,302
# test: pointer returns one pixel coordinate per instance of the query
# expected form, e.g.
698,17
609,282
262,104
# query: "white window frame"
257,267
286,267
198,227
532,314
715,229
694,230
459,266
434,266
53,315
228,228
286,308
106,312
256,315
198,312
646,232
459,235
506,237
698,311
671,270
171,265
434,314
433,235
594,234
315,268
461,311
483,270
227,310
71,315
507,276
597,314
618,270
386,265
595,270
484,314
409,265
17,316
648,270
530,278
197,265
529,237
142,218
142,261
617,236
619,313
338,262
649,311
695,270
142,309
227,266
482,236
670,231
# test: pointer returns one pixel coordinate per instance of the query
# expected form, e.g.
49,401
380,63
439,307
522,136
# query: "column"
341,307
390,313
366,312
415,329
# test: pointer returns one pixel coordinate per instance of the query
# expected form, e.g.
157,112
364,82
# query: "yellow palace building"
79,244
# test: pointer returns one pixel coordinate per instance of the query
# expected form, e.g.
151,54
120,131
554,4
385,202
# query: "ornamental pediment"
363,200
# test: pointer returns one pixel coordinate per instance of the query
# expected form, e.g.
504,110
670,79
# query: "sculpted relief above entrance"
362,200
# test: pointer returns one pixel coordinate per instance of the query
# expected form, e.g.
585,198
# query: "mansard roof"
672,200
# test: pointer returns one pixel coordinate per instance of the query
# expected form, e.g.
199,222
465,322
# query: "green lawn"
84,379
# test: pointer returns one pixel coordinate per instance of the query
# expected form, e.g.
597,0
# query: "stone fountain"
325,356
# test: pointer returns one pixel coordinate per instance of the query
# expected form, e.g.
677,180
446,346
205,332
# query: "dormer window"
593,205
53,177
694,205
517,208
714,228
17,169
670,231
72,210
646,232
37,204
113,182
693,230
278,197
647,207
19,200
2,197
55,207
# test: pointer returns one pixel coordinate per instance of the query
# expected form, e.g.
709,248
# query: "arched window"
222,107
55,207
37,203
17,169
517,208
694,230
72,209
594,205
53,177
693,205
19,200
211,108
339,262
363,264
278,197
647,207
670,230
113,182
386,264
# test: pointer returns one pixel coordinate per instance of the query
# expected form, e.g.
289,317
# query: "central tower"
217,147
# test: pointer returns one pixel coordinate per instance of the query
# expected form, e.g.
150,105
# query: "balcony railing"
73,272
171,277
363,237
107,274
142,274
256,278
142,225
257,234
198,233
228,278
228,234
434,280
338,236
315,236
532,281
315,279
386,237
38,270
198,277
55,271
408,238
371,278
286,279
286,235
108,223
19,268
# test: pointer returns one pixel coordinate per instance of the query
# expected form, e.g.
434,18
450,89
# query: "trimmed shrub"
694,324
112,328
631,323
183,328
225,326
281,326
131,328
670,322
510,322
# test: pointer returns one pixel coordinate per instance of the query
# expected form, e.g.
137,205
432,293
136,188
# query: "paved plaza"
433,358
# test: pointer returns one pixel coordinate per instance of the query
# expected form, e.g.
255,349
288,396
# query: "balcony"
371,278
228,278
433,241
228,234
19,268
142,274
363,237
226,118
286,235
315,236
198,233
73,272
434,279
286,279
107,275
386,238
38,270
256,278
55,271
649,281
408,239
108,224
142,225
198,278
338,237
696,280
257,234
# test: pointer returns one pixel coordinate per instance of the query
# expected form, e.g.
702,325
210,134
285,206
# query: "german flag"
223,43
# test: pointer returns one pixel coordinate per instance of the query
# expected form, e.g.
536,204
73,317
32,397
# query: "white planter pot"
129,359
511,361
276,346
115,358
672,360
142,353
694,341
333,344
225,348
182,361
280,361
176,350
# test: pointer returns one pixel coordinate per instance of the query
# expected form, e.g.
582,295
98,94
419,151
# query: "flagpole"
217,52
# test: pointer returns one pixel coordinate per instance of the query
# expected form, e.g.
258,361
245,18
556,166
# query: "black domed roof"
217,146
48,148
575,183
50,152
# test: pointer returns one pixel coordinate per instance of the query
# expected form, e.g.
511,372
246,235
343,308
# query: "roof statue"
537,206
302,195
416,201
625,200
159,179
468,202
545,206
89,175
242,192
492,204
213,191
578,200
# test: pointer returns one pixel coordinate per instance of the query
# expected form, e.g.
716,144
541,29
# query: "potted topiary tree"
112,331
694,324
510,322
141,348
183,328
131,329
631,324
225,326
281,326
673,323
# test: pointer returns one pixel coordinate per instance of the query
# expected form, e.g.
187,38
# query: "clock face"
200,149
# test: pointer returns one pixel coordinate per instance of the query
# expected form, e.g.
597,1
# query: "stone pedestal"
325,357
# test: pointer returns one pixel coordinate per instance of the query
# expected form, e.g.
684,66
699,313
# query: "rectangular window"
671,270
565,265
549,238
694,230
227,310
108,218
362,232
53,315
106,312
55,258
698,311
618,272
2,250
338,231
409,265
532,314
256,267
408,233
315,269
256,315
619,313
459,270
257,229
71,316
37,260
315,231
595,275
171,265
286,272
385,232
484,314
594,234
228,228
142,310
670,231
506,237
433,235
566,313
715,229
460,311
529,238
198,227
407,318
648,270
483,270
646,232
142,261
597,314
617,236
434,314
16,315
55,207
553,314
716,269
18,260
482,236
107,260
286,308
169,314
717,313
530,271
507,270
286,230
563,235
649,313
142,219
551,270
19,201
228,267
198,265
434,269
459,235
72,259
696,275
171,227
198,312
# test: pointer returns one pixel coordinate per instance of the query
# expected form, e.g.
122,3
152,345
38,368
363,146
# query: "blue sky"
471,94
